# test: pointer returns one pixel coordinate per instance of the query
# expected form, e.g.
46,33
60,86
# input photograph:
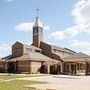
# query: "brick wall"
2,66
17,49
28,66
35,66
23,66
47,50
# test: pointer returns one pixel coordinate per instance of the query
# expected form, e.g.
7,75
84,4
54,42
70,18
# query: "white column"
48,69
69,69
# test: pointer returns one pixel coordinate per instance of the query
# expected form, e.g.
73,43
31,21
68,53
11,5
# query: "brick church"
41,57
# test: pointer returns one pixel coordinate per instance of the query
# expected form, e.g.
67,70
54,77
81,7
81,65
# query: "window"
37,31
37,50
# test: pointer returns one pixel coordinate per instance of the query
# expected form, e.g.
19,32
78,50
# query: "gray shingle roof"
63,49
34,56
31,46
77,57
2,60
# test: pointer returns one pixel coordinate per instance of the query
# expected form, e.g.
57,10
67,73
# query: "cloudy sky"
66,23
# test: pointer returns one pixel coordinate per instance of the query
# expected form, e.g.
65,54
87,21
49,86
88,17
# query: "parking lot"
65,82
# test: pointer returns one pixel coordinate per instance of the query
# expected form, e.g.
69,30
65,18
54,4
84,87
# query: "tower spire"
38,23
37,10
37,30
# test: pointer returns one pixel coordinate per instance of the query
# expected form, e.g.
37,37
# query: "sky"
66,23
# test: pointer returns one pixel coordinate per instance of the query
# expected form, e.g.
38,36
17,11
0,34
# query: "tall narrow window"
35,31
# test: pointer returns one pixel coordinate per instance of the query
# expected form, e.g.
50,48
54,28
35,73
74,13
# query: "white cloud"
81,14
9,0
46,27
4,50
27,26
68,33
82,46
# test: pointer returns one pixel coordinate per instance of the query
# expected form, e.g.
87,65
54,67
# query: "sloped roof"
27,46
1,60
32,46
7,57
60,48
69,50
34,56
77,57
63,49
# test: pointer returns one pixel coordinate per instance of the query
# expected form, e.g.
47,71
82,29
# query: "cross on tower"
37,31
37,11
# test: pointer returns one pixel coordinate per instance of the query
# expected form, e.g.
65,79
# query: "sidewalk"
64,82
55,87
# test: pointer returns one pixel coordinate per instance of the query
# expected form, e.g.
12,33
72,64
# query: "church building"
41,57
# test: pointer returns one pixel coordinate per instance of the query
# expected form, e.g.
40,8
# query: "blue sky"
66,23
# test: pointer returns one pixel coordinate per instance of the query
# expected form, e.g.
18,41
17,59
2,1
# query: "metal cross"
37,11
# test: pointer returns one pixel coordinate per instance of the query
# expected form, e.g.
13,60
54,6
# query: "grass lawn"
6,76
16,84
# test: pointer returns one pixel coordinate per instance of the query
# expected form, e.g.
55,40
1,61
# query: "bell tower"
37,31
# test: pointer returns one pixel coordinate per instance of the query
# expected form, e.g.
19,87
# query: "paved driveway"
64,81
